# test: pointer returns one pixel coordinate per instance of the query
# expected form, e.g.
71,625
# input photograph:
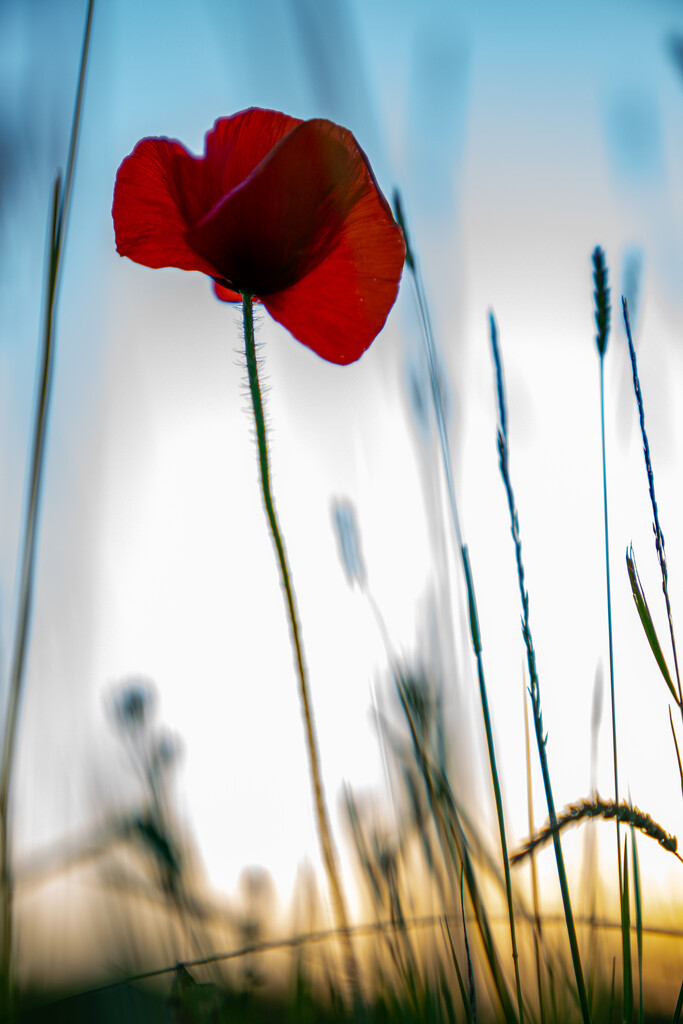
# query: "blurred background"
160,669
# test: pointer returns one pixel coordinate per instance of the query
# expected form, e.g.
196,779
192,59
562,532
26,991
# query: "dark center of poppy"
285,217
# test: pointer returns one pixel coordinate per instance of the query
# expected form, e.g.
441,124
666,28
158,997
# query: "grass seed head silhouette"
601,295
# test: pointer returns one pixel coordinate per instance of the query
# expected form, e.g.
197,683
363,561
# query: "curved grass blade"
646,620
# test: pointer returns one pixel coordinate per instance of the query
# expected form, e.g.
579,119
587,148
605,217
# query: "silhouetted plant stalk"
471,987
534,873
457,836
329,853
602,323
379,867
451,837
679,1007
659,536
61,196
25,602
465,994
437,397
637,898
634,579
534,687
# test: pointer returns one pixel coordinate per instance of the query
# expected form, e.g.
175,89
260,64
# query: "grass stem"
659,536
609,612
534,873
602,323
534,686
430,353
61,196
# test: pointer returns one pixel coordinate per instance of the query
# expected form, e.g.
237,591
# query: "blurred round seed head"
133,703
167,749
348,540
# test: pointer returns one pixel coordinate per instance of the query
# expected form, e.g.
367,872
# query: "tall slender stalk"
61,196
534,686
454,844
659,536
430,353
638,901
602,322
328,850
534,873
609,601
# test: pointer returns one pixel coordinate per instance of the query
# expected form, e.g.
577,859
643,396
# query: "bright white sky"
519,140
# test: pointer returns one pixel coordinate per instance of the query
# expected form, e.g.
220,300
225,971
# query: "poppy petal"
225,294
236,145
281,208
342,304
159,191
287,215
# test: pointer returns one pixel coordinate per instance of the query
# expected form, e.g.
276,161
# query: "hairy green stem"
328,851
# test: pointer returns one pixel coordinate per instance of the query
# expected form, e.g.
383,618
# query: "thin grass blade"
26,586
659,536
637,897
454,848
602,321
470,973
534,874
446,997
437,396
627,983
647,623
458,973
679,1007
678,753
57,234
534,685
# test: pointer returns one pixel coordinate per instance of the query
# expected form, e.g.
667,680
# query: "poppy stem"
327,847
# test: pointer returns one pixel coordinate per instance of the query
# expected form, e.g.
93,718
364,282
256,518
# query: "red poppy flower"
283,209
